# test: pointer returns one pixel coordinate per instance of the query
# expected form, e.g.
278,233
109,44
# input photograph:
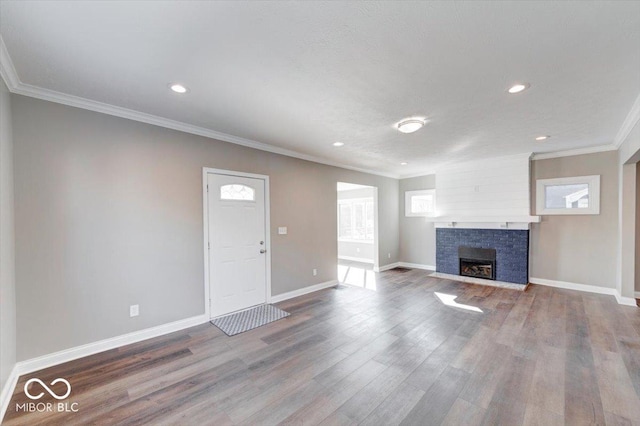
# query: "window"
420,203
237,192
574,195
355,220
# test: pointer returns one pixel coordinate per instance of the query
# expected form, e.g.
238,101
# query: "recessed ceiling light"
541,138
404,163
410,125
338,143
178,88
518,87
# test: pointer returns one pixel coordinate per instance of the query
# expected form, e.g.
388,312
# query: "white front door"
237,243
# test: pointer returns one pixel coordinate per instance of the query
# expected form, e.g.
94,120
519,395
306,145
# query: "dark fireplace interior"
477,262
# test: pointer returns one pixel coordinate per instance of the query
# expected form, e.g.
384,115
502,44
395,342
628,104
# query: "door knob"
263,251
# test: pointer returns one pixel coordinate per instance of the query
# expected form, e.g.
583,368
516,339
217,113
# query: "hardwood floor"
397,355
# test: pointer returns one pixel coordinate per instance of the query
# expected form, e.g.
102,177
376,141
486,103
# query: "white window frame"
594,195
363,201
407,203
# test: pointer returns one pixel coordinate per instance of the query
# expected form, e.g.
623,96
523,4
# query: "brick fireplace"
510,248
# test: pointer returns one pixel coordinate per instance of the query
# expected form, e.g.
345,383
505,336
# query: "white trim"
301,292
504,225
7,70
56,358
386,267
205,218
628,301
628,124
572,152
594,195
418,174
356,259
9,74
573,286
416,266
8,390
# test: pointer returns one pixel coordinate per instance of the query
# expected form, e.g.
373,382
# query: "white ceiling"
302,75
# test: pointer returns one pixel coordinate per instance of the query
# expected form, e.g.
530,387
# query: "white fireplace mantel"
486,222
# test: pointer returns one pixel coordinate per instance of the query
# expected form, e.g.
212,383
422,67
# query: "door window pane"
237,192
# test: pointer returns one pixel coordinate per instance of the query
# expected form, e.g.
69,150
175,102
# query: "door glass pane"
575,196
237,192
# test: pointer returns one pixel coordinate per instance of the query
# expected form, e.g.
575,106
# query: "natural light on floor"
357,277
450,300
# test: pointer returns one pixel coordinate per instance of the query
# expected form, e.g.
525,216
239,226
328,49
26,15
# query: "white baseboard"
585,287
46,361
7,391
356,259
386,267
301,292
628,301
417,266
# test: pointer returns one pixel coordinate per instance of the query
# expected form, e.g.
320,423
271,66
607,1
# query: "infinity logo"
52,393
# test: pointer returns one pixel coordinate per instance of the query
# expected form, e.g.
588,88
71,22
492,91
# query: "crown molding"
572,152
419,174
14,84
7,70
628,124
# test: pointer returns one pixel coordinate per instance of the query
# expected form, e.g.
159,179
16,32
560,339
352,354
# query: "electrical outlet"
357,249
134,310
389,255
315,272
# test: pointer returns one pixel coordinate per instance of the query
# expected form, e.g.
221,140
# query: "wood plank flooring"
396,355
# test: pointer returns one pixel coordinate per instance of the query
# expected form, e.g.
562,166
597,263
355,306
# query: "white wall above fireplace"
489,193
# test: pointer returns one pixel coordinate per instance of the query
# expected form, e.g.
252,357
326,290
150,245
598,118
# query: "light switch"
282,230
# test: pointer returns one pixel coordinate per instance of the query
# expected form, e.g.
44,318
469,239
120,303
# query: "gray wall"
7,266
109,213
582,248
417,234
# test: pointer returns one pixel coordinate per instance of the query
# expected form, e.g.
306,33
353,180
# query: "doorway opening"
357,237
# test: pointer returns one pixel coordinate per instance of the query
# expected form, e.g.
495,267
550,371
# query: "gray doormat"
248,320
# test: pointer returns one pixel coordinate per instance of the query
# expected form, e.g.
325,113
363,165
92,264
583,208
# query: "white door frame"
205,215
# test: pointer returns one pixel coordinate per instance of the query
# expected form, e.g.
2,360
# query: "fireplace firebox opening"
477,262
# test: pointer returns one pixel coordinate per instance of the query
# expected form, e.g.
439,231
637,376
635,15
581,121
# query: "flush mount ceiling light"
338,144
541,138
178,88
518,87
410,125
404,163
